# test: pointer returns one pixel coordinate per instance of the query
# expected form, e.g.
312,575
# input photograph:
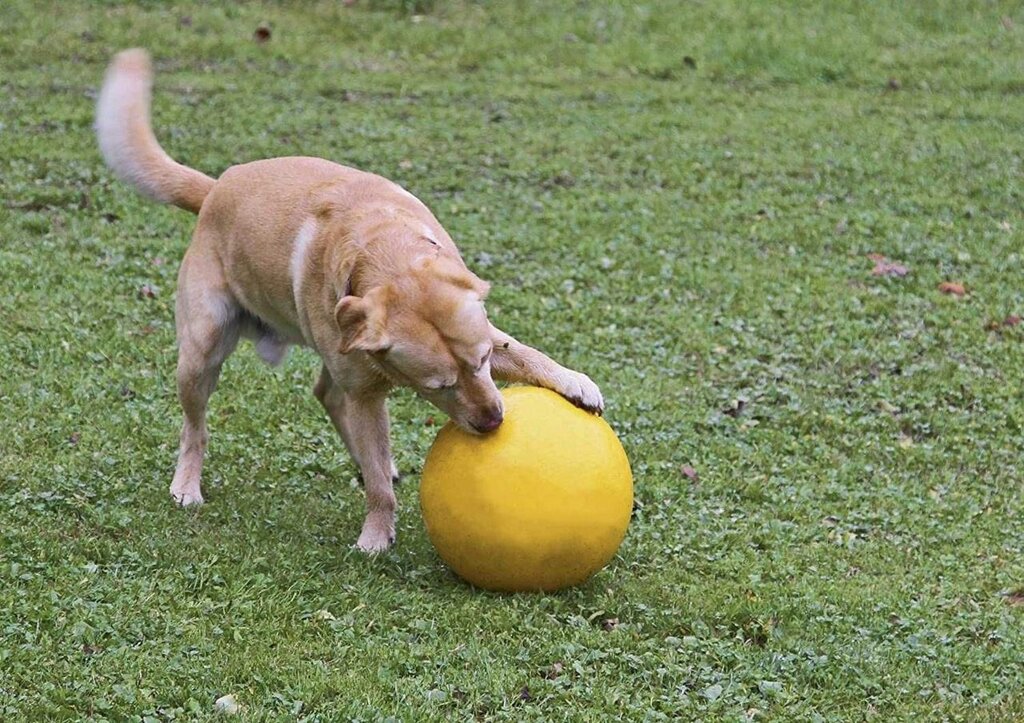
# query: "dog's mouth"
486,422
486,427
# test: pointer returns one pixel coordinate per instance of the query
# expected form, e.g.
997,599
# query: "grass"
691,233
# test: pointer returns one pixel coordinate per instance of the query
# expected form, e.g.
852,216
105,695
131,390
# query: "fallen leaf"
430,421
147,291
1010,321
952,288
73,439
262,33
609,624
689,472
887,407
736,408
226,705
885,267
1015,597
563,179
553,671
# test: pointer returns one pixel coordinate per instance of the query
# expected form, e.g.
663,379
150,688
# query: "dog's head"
429,331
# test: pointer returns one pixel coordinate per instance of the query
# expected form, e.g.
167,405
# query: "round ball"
541,503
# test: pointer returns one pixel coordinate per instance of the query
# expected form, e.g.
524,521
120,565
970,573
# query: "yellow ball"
540,504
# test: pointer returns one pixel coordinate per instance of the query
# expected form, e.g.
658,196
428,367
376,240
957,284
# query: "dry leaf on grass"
1010,321
886,267
735,408
1015,597
953,288
553,671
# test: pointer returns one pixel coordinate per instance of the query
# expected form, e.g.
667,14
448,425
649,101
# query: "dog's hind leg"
362,421
207,319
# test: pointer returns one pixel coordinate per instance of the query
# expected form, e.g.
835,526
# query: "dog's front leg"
362,420
367,421
515,362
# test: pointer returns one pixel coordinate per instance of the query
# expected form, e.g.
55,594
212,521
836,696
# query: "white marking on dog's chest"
300,257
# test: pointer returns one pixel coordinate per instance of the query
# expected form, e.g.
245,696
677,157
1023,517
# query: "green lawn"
678,198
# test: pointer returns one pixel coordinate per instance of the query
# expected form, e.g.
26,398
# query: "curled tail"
127,141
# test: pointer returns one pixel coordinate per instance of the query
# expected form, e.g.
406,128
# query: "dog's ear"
480,287
454,273
363,321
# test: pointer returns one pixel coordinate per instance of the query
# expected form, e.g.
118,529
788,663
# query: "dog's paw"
580,390
376,537
187,495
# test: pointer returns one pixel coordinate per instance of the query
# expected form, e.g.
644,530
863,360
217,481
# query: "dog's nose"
489,423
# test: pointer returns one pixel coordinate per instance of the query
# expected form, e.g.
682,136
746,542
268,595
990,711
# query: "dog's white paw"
580,390
187,495
376,537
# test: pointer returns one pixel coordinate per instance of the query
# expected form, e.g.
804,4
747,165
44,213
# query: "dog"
303,251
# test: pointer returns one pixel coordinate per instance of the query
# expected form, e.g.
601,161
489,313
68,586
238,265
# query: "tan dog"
305,251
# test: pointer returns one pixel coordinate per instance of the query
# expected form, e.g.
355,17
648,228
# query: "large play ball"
541,503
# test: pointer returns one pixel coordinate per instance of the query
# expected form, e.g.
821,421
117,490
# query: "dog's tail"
127,142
